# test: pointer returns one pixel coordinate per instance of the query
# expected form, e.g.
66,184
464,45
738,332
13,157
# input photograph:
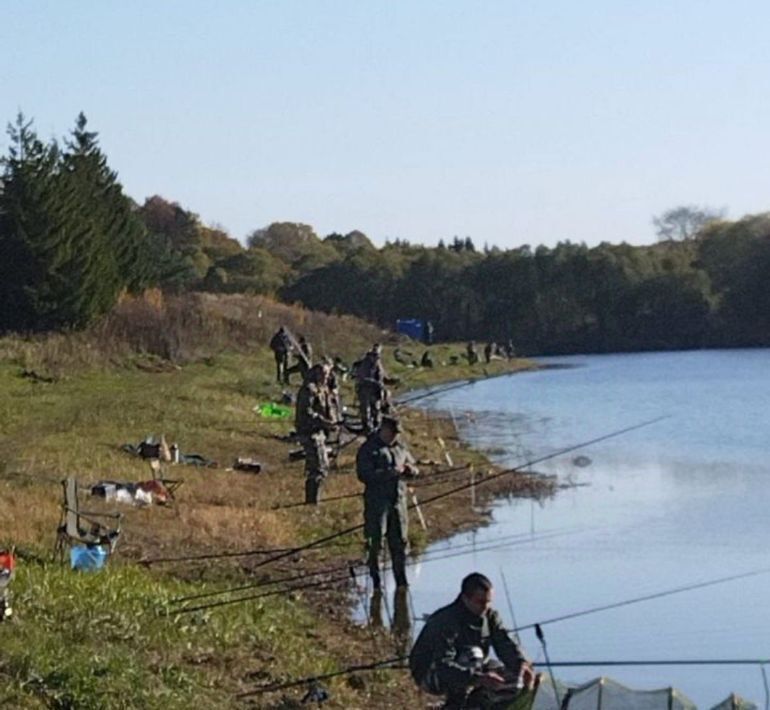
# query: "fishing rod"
667,662
320,585
440,390
541,637
391,664
645,598
274,687
357,494
213,555
438,555
444,494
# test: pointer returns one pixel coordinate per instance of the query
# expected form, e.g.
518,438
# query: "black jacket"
453,629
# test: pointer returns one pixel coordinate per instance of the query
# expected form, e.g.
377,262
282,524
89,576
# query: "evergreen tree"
40,235
117,236
69,240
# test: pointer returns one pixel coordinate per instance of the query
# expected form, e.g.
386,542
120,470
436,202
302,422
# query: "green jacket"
379,468
313,411
450,631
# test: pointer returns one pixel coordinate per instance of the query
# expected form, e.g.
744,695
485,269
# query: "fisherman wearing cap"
451,654
383,465
314,420
370,388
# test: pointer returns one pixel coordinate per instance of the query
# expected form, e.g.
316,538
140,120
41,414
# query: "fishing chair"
82,527
159,475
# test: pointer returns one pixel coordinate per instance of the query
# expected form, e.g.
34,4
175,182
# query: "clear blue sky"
512,122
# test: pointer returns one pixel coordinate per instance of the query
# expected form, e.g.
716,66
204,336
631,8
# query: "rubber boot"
312,491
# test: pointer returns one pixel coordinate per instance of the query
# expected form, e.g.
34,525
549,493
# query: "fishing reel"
471,657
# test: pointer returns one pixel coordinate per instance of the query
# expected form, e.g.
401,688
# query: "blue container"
88,559
413,327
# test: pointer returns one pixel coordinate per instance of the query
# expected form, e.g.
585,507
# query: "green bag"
271,410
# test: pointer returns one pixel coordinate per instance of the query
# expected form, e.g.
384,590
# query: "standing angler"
314,421
280,344
471,353
383,464
370,388
451,654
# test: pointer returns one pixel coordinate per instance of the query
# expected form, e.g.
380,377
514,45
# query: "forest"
72,243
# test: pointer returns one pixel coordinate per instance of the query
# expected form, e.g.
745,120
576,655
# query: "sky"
511,122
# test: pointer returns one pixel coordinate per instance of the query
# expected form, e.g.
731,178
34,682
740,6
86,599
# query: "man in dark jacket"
370,388
383,464
280,344
451,654
314,420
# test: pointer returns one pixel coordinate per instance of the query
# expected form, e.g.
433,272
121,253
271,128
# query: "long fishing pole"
274,687
391,662
214,555
440,390
429,478
645,598
541,637
444,494
427,558
675,662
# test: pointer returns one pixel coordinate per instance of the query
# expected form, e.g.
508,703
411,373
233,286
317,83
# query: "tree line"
72,242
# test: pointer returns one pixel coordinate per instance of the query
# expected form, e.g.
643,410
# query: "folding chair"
82,527
159,475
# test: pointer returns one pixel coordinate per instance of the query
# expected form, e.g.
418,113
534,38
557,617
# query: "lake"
683,501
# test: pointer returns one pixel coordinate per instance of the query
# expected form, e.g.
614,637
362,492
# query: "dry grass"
155,332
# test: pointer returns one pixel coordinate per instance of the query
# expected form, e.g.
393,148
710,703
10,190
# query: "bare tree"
684,222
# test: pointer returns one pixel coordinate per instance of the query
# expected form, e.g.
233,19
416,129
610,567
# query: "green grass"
109,640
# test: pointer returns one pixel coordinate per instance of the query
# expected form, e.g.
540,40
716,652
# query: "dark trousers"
316,465
388,519
281,367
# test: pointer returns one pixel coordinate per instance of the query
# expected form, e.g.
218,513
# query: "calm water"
683,501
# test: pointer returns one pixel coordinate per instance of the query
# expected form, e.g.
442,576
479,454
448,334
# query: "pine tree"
119,237
69,239
38,236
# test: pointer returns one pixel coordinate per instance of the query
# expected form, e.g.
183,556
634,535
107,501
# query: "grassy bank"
107,640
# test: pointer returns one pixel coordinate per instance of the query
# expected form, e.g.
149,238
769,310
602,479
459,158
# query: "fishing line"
645,598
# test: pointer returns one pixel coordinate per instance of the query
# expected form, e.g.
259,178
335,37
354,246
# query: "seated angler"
451,655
